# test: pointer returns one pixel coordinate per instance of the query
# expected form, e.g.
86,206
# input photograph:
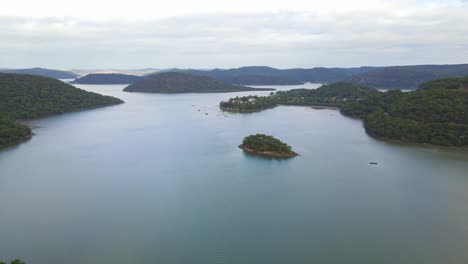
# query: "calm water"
157,181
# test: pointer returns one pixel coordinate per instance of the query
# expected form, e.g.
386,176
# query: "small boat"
373,163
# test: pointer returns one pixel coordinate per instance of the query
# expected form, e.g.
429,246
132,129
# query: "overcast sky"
128,34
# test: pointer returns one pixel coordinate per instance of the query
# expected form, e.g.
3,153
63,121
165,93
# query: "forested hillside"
28,96
437,116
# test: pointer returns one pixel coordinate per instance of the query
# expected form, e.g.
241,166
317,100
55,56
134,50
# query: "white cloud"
361,33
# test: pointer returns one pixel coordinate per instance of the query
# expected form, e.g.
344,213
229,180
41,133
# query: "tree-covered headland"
27,96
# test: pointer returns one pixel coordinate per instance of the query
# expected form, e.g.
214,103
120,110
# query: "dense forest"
107,78
266,145
28,96
176,82
436,115
327,95
12,131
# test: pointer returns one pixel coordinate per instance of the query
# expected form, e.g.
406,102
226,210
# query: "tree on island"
266,145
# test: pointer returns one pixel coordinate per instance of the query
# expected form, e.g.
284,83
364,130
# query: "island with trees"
266,145
333,95
177,82
107,78
28,96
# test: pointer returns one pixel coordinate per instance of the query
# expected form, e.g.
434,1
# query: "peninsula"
333,95
25,96
266,145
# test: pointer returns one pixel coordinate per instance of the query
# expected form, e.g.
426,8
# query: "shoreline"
19,141
269,153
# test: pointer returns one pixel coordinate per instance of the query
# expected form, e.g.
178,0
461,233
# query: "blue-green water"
157,181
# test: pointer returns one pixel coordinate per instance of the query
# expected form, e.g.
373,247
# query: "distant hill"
177,82
262,75
104,78
43,72
408,77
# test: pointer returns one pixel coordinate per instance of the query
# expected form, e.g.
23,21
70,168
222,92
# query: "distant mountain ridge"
408,77
391,77
263,75
107,78
56,74
388,77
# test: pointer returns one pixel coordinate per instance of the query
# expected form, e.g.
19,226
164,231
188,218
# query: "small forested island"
266,145
327,95
27,96
177,82
107,78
